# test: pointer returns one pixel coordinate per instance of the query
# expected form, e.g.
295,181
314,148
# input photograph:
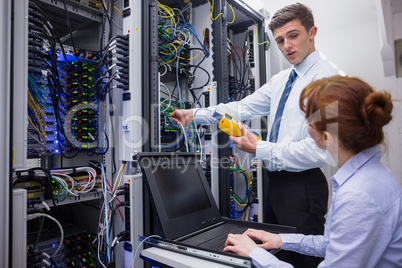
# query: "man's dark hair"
292,12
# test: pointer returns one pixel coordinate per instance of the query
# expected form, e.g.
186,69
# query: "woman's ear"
328,139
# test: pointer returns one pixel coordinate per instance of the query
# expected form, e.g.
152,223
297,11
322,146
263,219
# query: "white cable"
114,242
178,17
64,183
65,174
118,26
38,141
118,174
112,47
106,216
113,197
113,43
185,135
164,65
199,138
135,254
87,186
100,233
45,205
170,96
46,262
37,215
110,68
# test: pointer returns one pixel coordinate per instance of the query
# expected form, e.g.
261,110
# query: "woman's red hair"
358,110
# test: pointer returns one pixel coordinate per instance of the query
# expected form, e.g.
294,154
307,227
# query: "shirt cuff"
262,258
263,150
204,116
291,241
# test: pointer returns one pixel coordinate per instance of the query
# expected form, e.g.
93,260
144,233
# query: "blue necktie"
273,136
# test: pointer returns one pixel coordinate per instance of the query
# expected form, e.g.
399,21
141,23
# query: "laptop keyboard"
221,244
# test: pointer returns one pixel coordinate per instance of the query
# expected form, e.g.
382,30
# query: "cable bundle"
245,202
61,183
64,102
242,82
174,41
114,66
106,214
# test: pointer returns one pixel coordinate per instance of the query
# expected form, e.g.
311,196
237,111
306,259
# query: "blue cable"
177,76
165,147
196,36
106,219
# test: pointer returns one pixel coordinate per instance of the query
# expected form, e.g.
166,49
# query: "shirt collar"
307,63
355,163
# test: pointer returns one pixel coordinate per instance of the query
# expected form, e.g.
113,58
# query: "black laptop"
184,203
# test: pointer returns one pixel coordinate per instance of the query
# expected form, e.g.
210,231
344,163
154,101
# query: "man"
296,192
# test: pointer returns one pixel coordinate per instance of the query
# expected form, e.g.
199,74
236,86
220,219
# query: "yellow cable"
99,4
175,56
43,142
120,175
193,57
121,13
164,53
234,15
41,119
206,21
256,33
242,205
212,17
182,34
168,10
29,119
117,184
247,213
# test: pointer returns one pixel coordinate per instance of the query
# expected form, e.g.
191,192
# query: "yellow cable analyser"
229,125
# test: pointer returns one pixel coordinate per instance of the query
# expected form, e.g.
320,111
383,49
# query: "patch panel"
48,112
78,250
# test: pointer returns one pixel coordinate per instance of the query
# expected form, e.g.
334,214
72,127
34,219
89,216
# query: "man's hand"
240,244
182,116
247,142
269,240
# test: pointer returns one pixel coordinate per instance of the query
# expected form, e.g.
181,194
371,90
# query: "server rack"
219,73
5,135
83,37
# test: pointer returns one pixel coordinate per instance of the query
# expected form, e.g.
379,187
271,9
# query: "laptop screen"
180,192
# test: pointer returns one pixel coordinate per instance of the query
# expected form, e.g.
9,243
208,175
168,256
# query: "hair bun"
377,108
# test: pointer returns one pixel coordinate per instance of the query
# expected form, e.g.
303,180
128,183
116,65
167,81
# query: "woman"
364,223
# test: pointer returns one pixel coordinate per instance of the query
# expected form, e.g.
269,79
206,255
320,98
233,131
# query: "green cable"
36,90
171,121
164,49
244,201
58,187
